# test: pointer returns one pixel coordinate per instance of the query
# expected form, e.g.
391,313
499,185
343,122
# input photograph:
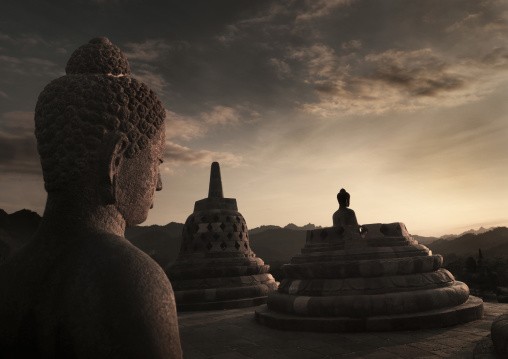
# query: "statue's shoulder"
122,261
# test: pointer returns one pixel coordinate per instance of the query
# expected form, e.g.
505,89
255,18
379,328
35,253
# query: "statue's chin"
136,219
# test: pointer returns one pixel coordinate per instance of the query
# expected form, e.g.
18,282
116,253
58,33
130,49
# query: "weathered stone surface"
472,309
499,334
79,289
370,277
364,268
401,302
216,268
366,285
234,334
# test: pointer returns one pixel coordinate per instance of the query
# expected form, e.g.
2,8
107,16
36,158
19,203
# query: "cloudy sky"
402,103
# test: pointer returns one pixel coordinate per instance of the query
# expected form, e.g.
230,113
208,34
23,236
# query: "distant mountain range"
277,244
271,243
291,226
162,243
428,240
471,231
280,244
16,229
493,243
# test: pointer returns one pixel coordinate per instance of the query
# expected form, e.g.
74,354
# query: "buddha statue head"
100,133
343,198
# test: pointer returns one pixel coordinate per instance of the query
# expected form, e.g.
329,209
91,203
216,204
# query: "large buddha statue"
79,289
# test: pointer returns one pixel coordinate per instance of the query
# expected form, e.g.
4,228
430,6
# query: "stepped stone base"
471,310
226,304
225,297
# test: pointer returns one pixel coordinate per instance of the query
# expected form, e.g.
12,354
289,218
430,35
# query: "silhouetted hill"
16,229
277,244
6,245
471,231
20,225
424,240
172,229
493,243
162,243
291,226
262,229
427,240
307,227
271,243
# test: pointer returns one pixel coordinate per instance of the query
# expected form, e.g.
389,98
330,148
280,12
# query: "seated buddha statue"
79,289
345,216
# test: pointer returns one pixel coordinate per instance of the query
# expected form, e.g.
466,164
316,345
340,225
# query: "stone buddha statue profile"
79,289
345,216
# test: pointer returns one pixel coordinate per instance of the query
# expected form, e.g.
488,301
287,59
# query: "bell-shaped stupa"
374,277
216,268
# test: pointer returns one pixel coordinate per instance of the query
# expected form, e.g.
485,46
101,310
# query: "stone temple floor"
234,334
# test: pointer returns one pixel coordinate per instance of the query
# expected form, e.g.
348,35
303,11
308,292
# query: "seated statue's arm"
353,219
336,220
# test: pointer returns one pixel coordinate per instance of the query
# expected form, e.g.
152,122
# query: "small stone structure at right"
374,277
499,335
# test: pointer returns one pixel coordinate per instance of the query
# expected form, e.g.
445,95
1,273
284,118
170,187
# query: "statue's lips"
151,206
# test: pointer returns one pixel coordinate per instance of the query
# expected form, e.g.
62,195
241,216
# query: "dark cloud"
18,154
134,20
29,66
417,77
176,154
18,147
497,58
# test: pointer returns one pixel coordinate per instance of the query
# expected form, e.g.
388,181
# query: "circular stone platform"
466,312
380,280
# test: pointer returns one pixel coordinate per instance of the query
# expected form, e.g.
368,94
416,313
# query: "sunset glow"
402,103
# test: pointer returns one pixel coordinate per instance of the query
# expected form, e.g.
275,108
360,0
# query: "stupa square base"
221,305
471,310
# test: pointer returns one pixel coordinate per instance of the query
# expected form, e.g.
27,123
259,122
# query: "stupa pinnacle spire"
215,189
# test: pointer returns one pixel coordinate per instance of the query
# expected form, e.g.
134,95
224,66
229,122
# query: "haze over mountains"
270,242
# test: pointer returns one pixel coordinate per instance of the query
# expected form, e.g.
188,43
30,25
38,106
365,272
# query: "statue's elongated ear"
114,146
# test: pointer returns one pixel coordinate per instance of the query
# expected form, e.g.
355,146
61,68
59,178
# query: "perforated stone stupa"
216,268
379,279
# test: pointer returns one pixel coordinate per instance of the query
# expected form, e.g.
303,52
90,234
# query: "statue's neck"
69,213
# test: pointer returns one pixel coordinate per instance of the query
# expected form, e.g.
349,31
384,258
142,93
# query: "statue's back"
74,299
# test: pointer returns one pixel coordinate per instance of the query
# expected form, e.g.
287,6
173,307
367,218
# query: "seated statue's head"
100,133
343,198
